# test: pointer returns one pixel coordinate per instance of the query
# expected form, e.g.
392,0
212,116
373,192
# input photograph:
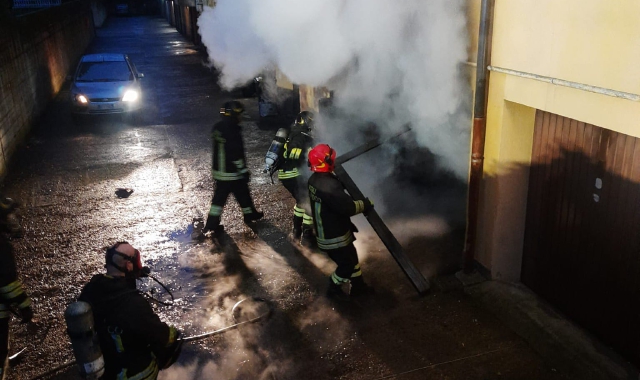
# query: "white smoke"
396,62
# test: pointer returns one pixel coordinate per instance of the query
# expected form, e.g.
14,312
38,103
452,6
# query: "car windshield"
104,72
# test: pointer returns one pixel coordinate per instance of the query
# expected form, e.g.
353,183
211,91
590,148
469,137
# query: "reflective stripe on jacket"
332,210
295,153
11,292
228,158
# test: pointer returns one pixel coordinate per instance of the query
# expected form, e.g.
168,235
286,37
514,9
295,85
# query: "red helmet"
322,158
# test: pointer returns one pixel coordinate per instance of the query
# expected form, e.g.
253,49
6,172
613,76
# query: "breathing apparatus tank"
84,339
275,150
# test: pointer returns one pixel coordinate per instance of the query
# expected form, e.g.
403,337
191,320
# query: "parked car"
106,84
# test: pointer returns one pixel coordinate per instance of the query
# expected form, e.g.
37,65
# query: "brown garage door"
582,239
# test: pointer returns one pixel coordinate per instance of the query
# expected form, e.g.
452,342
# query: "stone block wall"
37,51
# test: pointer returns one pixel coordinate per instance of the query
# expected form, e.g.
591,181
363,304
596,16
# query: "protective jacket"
332,210
295,154
11,292
134,342
229,163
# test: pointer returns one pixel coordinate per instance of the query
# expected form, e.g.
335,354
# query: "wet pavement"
66,177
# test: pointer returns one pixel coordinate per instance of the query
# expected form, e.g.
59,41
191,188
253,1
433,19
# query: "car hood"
103,89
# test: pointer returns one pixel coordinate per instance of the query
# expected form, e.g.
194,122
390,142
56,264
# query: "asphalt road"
66,177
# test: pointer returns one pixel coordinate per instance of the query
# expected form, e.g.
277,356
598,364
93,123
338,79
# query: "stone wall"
37,51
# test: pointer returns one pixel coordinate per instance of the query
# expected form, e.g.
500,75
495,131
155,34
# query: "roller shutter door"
582,238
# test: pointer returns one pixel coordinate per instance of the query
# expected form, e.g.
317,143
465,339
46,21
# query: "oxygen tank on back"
276,148
84,340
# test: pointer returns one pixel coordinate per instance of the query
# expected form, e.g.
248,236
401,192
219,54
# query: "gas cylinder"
275,150
84,340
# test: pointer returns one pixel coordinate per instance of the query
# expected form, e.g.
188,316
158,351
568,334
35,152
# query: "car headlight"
130,96
81,99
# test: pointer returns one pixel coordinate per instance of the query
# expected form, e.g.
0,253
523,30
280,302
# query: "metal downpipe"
478,139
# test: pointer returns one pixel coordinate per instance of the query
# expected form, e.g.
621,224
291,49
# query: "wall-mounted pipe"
478,138
570,84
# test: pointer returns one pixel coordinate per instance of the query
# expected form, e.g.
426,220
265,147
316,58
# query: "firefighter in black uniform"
332,210
135,344
229,168
12,296
294,179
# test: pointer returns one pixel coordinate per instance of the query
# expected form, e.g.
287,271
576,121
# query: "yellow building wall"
509,142
596,42
589,44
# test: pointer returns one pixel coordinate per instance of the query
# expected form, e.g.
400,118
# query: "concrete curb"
561,343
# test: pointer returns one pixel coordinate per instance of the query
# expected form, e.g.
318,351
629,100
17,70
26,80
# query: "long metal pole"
341,159
478,140
417,280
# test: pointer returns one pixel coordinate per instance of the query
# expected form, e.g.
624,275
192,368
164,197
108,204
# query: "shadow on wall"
581,238
43,91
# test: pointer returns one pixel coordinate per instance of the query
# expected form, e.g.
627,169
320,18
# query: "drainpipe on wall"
478,139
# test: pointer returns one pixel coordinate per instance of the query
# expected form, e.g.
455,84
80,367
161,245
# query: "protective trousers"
302,219
239,189
348,266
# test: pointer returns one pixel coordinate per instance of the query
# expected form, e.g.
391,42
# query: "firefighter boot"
308,239
253,216
335,292
359,288
297,227
213,225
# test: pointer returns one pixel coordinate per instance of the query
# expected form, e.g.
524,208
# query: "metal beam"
417,279
367,147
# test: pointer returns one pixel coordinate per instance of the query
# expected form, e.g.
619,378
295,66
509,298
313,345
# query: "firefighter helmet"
322,158
304,120
232,108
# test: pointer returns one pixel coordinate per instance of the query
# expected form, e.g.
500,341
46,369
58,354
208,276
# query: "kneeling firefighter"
294,177
135,343
332,211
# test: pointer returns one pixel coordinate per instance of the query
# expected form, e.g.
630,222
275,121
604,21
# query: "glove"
368,205
172,353
26,314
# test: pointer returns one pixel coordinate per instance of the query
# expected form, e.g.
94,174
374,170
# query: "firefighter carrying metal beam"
332,211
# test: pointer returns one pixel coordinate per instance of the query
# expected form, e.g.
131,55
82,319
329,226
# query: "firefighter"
13,299
332,211
135,343
294,179
229,168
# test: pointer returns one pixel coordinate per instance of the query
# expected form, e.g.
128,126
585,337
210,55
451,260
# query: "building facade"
561,182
